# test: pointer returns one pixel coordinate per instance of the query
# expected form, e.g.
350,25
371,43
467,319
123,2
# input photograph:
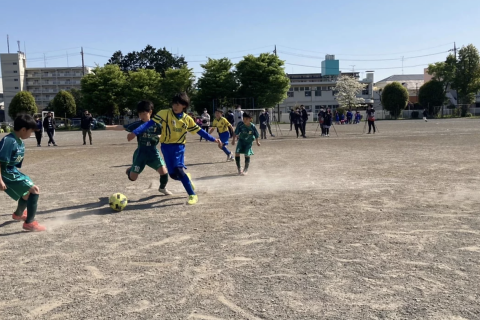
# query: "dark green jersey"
246,134
150,137
12,151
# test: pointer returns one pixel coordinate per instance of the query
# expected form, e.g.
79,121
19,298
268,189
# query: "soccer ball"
118,201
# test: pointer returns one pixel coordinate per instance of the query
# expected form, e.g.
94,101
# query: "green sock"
31,207
163,181
237,160
247,163
22,205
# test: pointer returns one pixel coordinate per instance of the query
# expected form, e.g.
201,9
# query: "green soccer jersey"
150,137
246,134
12,151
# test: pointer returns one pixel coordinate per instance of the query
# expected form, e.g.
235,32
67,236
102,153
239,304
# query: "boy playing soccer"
175,125
147,152
246,133
17,185
223,127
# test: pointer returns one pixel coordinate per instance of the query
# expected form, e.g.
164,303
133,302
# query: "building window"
307,88
295,88
15,63
302,88
308,108
16,88
15,79
318,93
15,71
291,89
308,93
290,94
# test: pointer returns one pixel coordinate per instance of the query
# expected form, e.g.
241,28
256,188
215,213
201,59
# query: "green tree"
394,98
159,60
104,90
444,72
262,78
64,104
217,82
467,77
175,81
143,85
22,102
78,97
432,96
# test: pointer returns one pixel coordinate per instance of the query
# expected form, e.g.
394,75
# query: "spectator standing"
327,123
371,119
263,125
38,131
49,127
425,115
349,117
291,117
205,122
267,116
321,120
86,125
238,116
304,115
297,121
230,118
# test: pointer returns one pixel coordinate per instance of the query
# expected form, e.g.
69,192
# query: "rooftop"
403,77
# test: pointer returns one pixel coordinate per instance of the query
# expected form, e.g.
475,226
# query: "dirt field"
382,226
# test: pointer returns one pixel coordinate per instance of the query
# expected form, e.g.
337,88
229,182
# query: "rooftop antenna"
18,44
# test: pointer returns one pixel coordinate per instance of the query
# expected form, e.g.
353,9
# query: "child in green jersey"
246,133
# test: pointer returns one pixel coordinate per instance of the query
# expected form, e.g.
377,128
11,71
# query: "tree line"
156,75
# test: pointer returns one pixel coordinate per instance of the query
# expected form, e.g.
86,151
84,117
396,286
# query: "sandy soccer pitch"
382,226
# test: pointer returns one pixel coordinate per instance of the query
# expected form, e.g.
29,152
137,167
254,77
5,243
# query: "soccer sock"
187,185
31,207
237,160
163,181
227,152
22,205
247,163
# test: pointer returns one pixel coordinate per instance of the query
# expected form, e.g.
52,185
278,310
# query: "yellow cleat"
192,199
191,182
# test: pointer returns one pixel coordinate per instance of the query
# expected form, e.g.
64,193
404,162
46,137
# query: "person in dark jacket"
267,116
321,120
298,122
291,117
49,127
86,125
371,119
263,125
304,120
327,122
39,131
425,115
230,118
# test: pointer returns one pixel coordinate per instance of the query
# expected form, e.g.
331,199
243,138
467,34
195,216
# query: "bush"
468,115
415,114
22,102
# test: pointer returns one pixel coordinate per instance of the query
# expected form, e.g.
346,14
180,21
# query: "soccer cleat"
244,173
23,217
33,226
230,158
191,182
165,191
193,199
240,171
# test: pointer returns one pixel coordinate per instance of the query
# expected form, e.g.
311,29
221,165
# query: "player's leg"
90,135
174,155
225,137
247,164
296,129
373,125
32,202
137,167
369,126
158,164
84,134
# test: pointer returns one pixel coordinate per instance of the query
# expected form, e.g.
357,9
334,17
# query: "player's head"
144,110
205,110
24,125
180,102
239,107
247,118
218,113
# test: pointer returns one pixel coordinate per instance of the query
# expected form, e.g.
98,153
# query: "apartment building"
43,83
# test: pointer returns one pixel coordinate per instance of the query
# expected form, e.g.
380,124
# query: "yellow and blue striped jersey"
222,124
174,130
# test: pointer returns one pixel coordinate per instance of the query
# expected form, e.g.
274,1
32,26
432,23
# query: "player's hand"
233,142
131,136
220,144
258,143
3,186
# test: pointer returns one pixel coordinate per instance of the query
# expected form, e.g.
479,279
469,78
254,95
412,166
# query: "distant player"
246,133
17,185
223,126
147,153
371,119
175,125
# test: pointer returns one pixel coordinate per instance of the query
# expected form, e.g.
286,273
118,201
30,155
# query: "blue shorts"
224,136
173,154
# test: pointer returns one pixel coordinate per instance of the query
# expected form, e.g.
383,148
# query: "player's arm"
255,133
3,187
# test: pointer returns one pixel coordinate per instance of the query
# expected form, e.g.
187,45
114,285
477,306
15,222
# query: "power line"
358,60
367,69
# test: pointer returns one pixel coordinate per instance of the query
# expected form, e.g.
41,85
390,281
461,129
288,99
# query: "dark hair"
246,115
181,98
24,121
144,106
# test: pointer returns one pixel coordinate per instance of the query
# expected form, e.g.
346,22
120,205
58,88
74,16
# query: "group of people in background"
298,118
348,118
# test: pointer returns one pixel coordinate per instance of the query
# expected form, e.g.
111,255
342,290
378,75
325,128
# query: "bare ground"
382,226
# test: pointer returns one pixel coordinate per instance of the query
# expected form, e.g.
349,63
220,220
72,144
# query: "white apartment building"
313,91
43,83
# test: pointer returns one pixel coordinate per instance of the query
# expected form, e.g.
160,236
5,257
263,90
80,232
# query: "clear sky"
304,31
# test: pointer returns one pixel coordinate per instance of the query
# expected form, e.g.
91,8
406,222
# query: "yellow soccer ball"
118,201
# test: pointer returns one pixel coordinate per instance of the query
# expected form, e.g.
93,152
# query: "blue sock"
187,185
227,152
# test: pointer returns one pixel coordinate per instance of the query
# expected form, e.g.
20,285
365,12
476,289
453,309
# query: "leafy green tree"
64,104
143,85
104,90
467,77
78,97
444,72
159,60
432,96
394,98
175,81
22,102
217,82
262,78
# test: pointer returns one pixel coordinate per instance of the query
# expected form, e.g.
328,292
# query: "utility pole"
8,43
278,105
83,62
402,64
44,61
275,50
